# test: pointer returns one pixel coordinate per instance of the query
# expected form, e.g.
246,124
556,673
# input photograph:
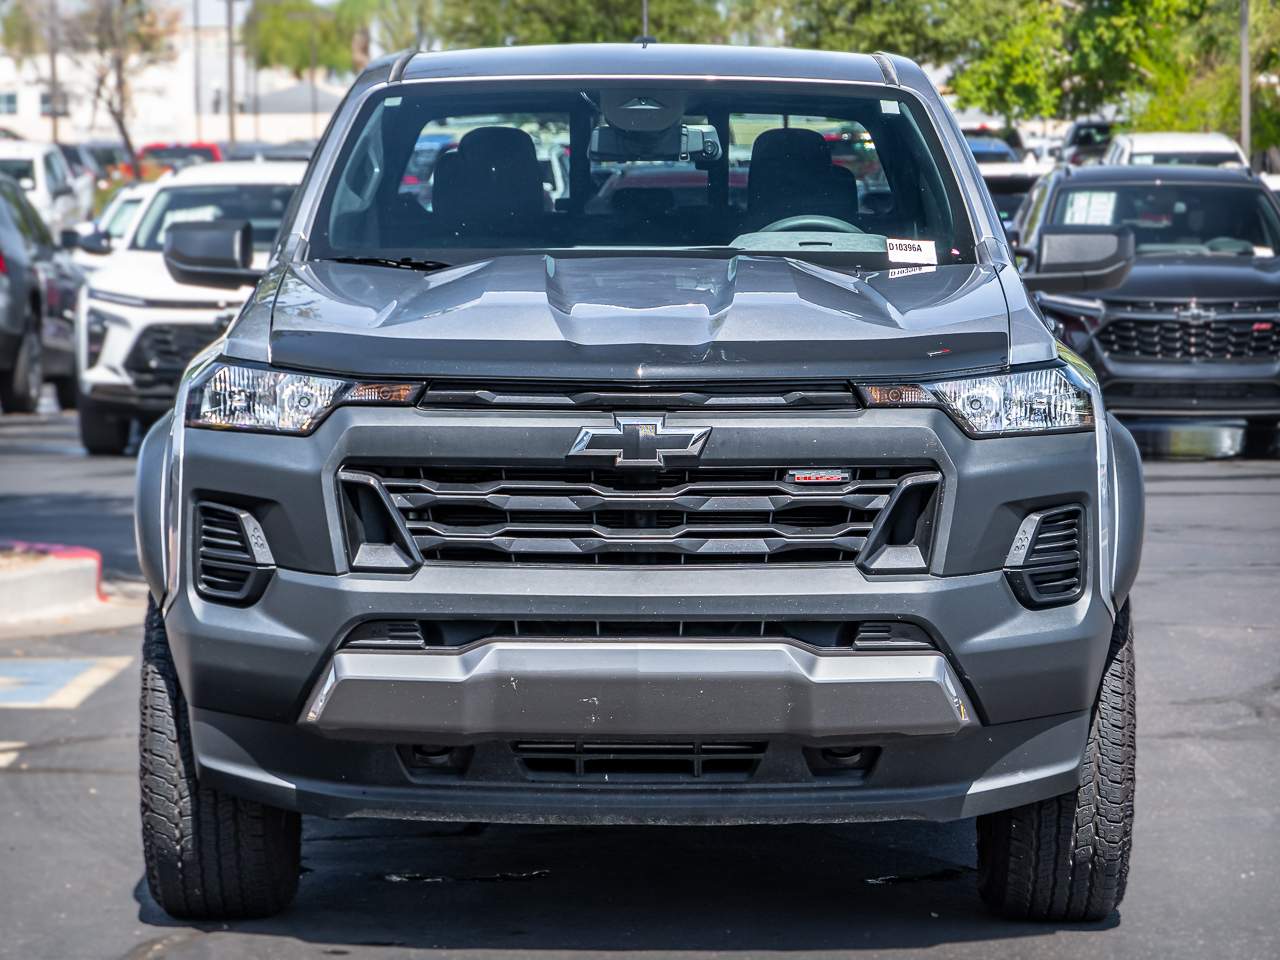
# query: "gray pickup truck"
734,478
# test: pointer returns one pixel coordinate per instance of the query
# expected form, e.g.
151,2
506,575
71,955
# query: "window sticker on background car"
1090,208
912,251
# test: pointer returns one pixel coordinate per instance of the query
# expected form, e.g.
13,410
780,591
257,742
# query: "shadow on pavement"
868,886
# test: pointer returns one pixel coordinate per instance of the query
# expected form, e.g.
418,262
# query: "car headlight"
1030,401
234,397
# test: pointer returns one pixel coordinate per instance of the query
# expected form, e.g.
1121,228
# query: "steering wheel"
810,221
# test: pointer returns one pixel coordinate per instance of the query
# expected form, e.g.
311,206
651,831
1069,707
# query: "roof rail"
402,61
887,68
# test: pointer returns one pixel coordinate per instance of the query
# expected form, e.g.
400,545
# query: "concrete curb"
61,580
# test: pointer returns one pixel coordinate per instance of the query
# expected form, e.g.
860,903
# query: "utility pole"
1244,79
54,91
195,46
231,72
644,18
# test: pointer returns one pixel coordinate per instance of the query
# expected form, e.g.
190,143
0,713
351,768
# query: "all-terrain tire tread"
209,856
1067,858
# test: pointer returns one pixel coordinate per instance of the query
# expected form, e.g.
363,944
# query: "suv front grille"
1163,331
163,350
609,516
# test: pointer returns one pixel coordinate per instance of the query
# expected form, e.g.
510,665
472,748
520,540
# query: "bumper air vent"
586,761
1045,568
878,635
706,515
162,351
233,562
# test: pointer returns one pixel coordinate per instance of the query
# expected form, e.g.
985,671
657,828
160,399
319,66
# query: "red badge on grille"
1262,326
818,475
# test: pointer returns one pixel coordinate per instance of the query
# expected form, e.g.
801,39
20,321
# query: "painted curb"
65,579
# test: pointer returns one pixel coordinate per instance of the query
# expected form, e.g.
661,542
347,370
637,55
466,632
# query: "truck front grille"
163,350
612,761
1184,332
609,516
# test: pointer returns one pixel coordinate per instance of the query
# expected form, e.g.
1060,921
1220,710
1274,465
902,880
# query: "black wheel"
20,387
209,856
1067,858
67,392
101,432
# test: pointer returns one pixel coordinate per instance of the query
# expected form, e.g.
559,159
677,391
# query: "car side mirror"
64,191
69,240
97,242
1077,259
214,254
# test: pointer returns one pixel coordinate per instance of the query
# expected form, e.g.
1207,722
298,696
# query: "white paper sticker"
890,107
1090,207
909,271
912,251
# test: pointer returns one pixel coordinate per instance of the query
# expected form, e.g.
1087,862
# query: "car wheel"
1067,858
20,387
103,433
208,856
67,392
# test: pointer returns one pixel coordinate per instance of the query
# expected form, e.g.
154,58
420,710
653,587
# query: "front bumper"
1244,388
994,716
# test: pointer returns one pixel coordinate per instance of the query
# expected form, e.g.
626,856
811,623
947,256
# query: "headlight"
232,397
1031,401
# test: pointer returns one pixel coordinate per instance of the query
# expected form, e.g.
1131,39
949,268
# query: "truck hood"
639,318
1204,278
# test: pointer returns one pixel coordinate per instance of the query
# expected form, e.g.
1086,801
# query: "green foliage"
1013,71
281,33
21,33
928,30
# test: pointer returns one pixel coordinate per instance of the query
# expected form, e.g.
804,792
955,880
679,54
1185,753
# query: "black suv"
699,501
1194,330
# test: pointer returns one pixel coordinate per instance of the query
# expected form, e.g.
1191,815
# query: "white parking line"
9,751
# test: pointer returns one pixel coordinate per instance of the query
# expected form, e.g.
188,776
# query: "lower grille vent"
828,634
1047,558
584,760
233,562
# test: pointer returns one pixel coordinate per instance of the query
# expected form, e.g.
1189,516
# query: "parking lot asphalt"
1205,880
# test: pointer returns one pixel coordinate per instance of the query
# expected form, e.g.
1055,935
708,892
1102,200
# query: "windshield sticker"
912,251
909,271
1090,208
888,107
1263,251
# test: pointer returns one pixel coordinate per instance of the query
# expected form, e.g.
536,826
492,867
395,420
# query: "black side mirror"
64,191
97,242
68,240
215,254
1078,259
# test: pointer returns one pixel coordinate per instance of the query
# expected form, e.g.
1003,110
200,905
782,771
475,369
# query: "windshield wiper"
403,263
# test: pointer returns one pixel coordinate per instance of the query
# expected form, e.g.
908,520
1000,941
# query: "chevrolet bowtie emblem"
640,442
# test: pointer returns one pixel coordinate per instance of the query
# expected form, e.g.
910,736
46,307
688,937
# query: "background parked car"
1009,184
100,237
1176,149
137,328
1086,141
1194,330
41,171
38,288
86,175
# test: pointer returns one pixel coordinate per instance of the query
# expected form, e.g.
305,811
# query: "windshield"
1189,159
1179,218
18,169
263,205
178,153
1008,193
716,168
118,217
991,150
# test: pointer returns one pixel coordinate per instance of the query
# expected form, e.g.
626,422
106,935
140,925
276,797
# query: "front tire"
1067,858
103,434
209,856
20,387
67,392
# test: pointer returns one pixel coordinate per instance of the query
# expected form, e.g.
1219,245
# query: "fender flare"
149,519
1130,509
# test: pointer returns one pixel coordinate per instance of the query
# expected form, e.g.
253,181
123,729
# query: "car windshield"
1008,193
1213,159
178,153
263,205
18,169
716,169
1091,135
119,216
991,150
1179,218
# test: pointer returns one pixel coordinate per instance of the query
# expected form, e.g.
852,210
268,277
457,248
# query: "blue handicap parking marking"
47,682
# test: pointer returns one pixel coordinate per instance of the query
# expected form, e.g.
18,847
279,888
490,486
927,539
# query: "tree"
117,40
925,30
1015,70
285,33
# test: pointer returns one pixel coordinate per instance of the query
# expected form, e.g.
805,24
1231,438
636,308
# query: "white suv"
1181,149
45,178
136,327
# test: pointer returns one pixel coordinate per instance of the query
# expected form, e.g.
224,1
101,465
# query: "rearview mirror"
1078,259
215,254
